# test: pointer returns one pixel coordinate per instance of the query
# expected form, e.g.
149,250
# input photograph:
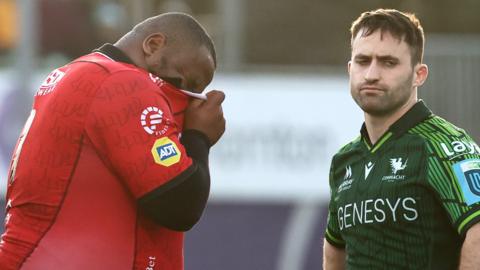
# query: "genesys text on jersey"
378,210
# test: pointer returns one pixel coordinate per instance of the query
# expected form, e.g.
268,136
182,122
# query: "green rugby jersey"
407,201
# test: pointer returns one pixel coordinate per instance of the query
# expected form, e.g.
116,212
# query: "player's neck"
378,125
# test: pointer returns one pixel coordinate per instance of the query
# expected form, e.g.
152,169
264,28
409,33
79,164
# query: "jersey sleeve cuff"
471,218
169,185
334,240
195,136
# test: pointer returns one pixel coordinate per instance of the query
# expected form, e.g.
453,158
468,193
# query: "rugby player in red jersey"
112,164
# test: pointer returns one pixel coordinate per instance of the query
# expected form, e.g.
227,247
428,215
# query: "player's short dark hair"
179,28
401,25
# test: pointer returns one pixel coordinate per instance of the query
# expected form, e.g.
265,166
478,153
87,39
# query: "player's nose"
372,73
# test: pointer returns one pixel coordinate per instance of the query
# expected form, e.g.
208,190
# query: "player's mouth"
371,89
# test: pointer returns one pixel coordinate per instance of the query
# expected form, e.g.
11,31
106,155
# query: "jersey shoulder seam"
111,66
436,130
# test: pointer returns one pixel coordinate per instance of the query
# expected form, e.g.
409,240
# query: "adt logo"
468,176
165,152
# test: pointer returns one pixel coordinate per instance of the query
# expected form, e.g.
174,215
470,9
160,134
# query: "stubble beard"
385,103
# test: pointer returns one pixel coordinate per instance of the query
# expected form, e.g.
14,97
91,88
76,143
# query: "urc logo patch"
468,176
165,152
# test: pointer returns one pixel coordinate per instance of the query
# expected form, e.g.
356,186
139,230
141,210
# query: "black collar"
114,53
418,113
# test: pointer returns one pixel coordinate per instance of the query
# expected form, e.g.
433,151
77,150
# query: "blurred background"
282,65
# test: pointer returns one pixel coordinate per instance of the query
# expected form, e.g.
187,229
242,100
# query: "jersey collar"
114,53
418,113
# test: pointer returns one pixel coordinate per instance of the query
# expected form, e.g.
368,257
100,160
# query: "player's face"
188,69
381,74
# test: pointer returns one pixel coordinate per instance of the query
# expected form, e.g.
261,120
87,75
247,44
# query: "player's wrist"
195,136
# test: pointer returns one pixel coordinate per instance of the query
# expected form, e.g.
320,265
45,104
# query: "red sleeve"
133,129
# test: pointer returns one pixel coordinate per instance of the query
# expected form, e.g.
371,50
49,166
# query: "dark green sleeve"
332,233
454,173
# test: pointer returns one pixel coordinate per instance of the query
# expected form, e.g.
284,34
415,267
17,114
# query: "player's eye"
390,63
362,62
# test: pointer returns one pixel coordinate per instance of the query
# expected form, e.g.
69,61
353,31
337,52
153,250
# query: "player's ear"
349,64
153,43
420,74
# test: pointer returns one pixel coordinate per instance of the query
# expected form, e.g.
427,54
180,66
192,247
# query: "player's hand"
206,116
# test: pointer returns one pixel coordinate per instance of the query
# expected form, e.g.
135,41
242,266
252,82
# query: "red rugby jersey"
101,135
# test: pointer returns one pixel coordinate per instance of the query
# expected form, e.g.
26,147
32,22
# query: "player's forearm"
333,258
180,207
469,258
197,145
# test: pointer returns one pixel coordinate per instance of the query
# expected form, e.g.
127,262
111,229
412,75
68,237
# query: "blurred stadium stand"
453,87
267,212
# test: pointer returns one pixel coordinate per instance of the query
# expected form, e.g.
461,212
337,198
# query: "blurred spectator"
7,24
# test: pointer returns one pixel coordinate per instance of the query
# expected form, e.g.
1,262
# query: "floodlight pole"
27,44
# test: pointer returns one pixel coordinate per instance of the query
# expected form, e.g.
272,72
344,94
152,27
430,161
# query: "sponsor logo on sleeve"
468,176
50,82
165,152
152,121
459,148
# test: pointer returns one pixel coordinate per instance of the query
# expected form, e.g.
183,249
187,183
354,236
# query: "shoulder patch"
468,177
165,152
152,121
50,82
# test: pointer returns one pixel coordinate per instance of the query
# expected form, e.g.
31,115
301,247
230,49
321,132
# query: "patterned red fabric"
101,135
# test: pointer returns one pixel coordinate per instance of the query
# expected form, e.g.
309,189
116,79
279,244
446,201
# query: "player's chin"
378,111
371,106
367,101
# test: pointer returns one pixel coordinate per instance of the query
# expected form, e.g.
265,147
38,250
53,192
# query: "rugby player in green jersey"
406,193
